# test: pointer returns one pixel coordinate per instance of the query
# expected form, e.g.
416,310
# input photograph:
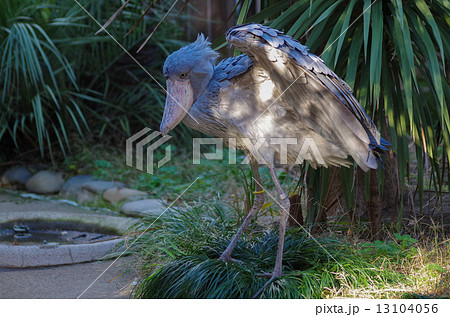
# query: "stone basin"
55,253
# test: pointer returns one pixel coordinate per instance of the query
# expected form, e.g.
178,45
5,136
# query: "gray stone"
116,194
36,256
56,254
16,175
45,182
85,196
98,187
143,208
11,256
108,223
72,187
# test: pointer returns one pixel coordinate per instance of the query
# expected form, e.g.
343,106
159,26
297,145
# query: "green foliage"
38,101
394,54
124,85
57,78
215,178
402,248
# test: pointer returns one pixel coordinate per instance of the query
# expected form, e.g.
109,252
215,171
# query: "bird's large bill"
178,102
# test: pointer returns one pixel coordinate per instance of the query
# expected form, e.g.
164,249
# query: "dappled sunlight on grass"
179,258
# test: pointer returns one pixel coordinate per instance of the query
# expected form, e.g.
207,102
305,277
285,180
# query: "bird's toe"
228,258
274,274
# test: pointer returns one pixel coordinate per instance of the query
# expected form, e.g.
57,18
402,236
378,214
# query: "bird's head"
187,72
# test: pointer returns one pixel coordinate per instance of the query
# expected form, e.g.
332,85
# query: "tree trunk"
391,190
295,211
331,200
360,205
374,206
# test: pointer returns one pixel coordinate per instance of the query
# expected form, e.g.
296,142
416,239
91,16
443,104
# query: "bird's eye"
183,75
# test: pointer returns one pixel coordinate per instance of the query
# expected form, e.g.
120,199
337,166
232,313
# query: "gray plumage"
276,90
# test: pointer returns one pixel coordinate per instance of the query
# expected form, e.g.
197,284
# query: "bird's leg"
285,205
257,205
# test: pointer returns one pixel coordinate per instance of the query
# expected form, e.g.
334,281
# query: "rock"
16,175
142,208
72,187
98,187
117,194
45,182
86,196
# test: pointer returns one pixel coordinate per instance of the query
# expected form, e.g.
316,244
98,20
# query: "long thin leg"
285,205
257,205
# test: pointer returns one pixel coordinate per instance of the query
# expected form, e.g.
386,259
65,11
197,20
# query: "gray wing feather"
232,67
322,101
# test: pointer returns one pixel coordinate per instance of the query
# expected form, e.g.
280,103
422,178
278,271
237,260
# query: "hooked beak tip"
164,129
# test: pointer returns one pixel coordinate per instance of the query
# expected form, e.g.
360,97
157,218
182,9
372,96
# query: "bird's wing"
232,67
323,102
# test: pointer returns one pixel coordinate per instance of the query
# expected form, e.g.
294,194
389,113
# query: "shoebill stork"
276,90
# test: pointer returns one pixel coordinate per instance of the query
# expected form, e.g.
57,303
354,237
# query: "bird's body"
284,92
272,100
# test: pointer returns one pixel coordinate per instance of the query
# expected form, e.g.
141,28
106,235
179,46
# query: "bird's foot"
227,258
271,276
265,275
276,273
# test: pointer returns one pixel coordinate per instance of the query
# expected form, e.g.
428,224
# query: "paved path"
69,281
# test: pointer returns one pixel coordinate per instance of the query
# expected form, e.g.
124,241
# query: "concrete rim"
50,255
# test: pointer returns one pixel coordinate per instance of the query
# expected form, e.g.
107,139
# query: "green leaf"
271,10
376,50
326,13
366,17
344,29
423,7
353,56
242,16
287,16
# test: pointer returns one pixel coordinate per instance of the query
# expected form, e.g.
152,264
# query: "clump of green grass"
180,258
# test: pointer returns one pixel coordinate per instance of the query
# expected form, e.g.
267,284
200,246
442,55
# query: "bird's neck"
201,77
202,113
199,85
